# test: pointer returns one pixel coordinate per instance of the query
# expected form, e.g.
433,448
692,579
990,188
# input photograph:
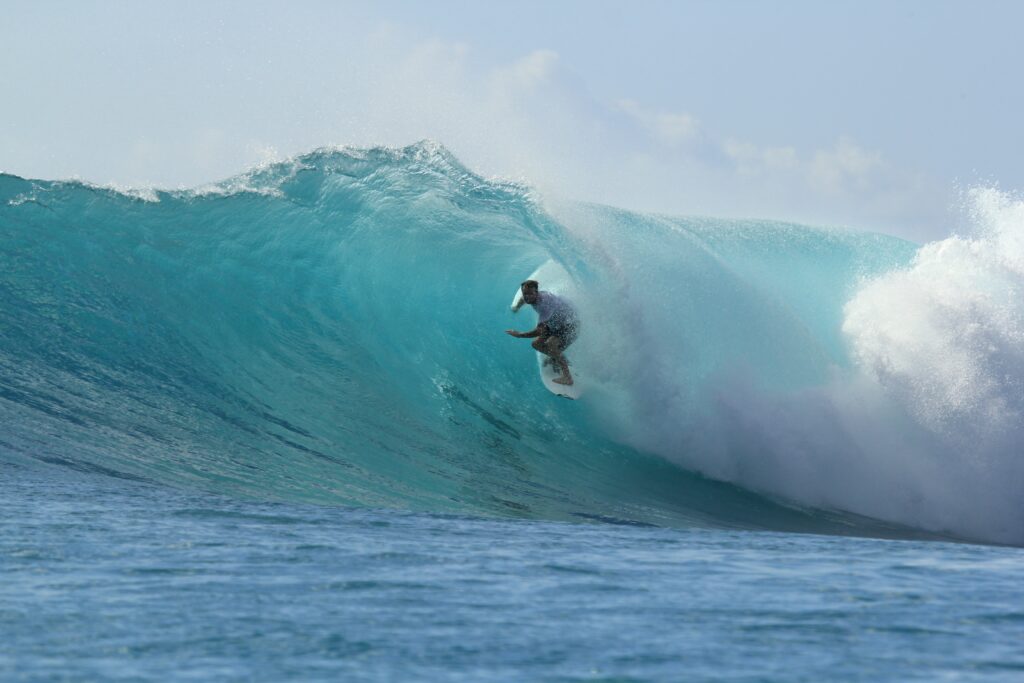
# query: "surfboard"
552,278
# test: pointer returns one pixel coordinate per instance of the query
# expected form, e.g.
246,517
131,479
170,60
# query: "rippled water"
108,579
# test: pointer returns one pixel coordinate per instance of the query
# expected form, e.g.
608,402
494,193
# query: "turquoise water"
273,428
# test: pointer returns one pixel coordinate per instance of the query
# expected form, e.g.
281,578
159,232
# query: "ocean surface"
273,429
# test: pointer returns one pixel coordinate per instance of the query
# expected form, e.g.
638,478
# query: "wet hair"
529,284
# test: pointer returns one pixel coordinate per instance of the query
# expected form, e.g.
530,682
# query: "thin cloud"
669,127
752,160
844,168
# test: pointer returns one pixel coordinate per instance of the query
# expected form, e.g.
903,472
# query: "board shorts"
566,329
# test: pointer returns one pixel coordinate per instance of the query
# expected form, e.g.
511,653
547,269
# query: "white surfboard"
552,278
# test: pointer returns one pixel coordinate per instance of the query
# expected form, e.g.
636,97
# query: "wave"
330,329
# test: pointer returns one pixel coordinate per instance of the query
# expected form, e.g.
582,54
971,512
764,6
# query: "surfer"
557,327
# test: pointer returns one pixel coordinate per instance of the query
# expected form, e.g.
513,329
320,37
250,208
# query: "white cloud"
670,128
844,168
840,169
843,183
753,160
527,73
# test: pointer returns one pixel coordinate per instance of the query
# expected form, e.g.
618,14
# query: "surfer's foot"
550,363
567,381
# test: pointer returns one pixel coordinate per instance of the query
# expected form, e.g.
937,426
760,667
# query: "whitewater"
328,329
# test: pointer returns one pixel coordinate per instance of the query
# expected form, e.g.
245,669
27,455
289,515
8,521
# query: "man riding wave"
557,327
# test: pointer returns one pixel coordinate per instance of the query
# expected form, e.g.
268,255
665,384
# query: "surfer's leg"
543,345
554,346
540,345
551,347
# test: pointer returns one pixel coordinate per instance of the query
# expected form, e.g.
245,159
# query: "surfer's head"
530,289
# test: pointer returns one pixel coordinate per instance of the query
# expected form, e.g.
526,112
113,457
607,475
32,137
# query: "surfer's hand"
514,333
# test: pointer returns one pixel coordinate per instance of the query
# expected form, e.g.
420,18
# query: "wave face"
330,330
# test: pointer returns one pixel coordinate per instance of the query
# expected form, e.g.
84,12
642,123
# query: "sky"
869,115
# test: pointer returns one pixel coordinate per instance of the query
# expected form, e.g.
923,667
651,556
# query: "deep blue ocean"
272,429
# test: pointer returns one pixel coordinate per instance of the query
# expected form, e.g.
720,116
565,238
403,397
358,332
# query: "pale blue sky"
867,114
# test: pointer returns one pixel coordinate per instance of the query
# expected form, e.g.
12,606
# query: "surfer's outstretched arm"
535,332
